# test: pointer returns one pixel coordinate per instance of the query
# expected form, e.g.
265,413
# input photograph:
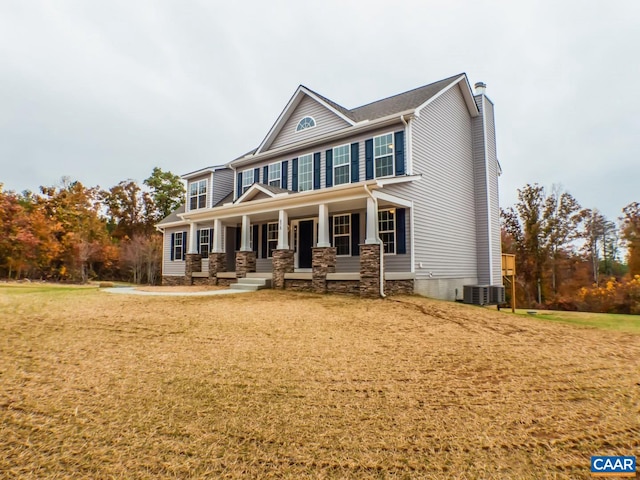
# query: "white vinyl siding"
342,164
305,173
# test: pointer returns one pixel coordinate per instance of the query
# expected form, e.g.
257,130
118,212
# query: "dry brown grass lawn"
282,385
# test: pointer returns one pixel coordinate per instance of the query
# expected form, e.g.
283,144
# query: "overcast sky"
103,91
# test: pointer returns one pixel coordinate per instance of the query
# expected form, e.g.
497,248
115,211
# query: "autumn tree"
631,236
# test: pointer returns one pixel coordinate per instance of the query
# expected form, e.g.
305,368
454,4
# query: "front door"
305,243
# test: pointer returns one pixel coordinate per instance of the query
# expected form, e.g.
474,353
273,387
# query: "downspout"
379,240
407,127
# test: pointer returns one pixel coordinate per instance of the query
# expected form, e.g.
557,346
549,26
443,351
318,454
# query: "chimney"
481,88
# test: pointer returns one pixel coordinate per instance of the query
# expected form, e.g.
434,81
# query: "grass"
606,321
282,385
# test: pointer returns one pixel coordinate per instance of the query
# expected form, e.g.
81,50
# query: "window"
342,234
178,245
305,173
387,229
272,238
306,122
204,245
274,174
383,155
198,195
341,164
247,179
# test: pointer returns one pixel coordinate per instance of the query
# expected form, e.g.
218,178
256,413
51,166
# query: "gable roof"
257,188
172,217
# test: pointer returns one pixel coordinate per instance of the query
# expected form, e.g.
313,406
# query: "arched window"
306,122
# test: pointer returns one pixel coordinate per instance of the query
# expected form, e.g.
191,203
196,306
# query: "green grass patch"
605,321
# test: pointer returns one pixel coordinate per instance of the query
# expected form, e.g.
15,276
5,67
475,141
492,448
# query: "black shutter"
294,174
285,174
368,158
237,238
256,175
355,234
264,240
401,230
399,151
198,247
329,168
184,245
210,239
355,162
173,244
254,234
316,170
265,174
239,189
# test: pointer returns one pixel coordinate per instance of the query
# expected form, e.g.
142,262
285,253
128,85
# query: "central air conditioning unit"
496,294
476,294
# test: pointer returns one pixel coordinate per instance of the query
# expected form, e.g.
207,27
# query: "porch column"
217,237
193,238
283,230
323,226
245,233
372,222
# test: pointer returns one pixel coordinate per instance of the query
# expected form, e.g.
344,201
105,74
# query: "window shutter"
294,174
316,170
368,158
331,230
329,168
238,232
173,244
256,175
265,174
254,240
184,245
210,239
285,173
399,152
401,230
355,234
264,240
199,246
355,162
239,189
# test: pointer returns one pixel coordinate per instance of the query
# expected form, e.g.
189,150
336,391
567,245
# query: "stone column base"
370,270
323,262
193,263
217,263
282,263
245,263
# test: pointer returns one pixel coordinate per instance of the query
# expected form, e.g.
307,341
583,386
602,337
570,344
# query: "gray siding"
169,267
222,184
494,200
326,121
444,213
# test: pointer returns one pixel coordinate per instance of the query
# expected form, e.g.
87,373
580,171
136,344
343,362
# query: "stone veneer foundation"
173,281
245,263
282,263
370,270
323,261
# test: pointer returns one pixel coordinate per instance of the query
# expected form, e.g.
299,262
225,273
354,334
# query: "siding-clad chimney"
481,88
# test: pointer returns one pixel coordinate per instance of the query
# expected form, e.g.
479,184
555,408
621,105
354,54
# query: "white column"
323,225
217,236
283,230
193,238
372,222
245,232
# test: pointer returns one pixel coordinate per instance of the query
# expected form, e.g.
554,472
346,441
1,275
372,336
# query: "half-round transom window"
306,122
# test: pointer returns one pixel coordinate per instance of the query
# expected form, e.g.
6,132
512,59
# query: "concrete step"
245,286
266,282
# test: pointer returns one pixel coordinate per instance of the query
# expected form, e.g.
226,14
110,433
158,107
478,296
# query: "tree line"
75,233
572,258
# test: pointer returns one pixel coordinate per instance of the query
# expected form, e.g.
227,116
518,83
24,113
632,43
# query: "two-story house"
398,195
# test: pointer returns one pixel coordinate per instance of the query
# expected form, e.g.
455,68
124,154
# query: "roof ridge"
407,91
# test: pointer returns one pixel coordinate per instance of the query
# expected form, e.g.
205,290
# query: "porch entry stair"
253,282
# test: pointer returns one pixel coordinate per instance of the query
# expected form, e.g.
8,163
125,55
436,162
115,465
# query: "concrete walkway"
133,291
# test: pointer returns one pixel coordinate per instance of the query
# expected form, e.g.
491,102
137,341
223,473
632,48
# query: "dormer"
207,187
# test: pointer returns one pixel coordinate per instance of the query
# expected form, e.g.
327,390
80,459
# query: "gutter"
375,200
